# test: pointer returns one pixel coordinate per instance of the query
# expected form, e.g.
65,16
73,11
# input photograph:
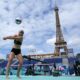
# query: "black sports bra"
17,42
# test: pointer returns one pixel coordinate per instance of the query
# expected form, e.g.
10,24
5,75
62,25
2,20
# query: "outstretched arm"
12,37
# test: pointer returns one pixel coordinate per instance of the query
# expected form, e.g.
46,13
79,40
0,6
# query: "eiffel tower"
60,44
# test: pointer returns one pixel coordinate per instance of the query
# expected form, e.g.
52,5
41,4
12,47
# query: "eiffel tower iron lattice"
60,43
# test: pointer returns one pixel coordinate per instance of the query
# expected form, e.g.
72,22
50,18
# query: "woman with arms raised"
16,51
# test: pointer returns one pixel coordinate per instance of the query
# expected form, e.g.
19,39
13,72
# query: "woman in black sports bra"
16,50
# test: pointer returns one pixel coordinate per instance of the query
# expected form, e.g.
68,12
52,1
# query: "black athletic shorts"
16,51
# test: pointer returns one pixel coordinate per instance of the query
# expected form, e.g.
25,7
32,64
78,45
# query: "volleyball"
18,21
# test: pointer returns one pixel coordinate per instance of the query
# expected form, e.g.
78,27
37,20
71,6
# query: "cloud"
38,23
74,40
70,14
51,41
31,22
28,47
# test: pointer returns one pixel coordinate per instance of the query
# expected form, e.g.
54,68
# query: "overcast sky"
38,23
